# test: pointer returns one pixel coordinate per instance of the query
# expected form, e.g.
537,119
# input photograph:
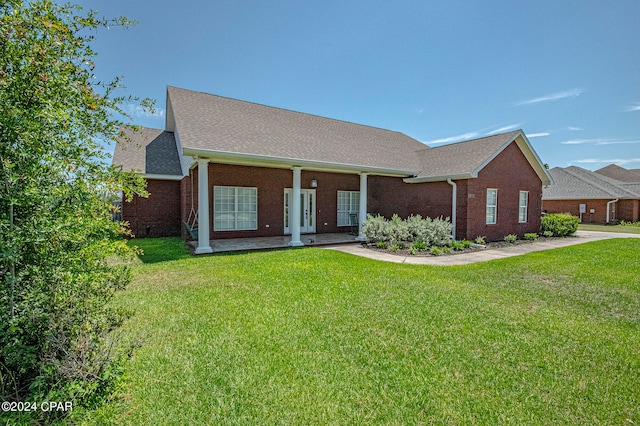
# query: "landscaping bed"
405,249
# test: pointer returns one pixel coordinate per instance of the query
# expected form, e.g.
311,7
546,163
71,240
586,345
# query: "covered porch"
266,243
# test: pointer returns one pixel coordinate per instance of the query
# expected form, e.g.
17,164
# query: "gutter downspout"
609,207
454,200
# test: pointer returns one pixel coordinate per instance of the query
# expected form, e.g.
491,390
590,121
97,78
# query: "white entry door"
307,210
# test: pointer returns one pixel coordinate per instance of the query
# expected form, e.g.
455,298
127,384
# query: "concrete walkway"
481,255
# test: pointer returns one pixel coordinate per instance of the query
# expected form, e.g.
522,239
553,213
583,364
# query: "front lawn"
609,228
312,336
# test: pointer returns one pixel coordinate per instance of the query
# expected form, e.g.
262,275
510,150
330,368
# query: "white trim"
288,163
526,206
495,206
162,177
235,211
309,196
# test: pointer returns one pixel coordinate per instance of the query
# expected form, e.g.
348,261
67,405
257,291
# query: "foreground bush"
59,247
559,225
431,232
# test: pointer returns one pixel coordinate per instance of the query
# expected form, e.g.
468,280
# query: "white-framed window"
348,203
523,206
492,206
235,208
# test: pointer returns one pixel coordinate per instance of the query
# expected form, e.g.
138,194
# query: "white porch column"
294,209
203,207
363,206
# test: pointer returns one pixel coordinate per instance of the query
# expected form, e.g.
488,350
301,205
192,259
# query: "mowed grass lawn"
609,228
312,336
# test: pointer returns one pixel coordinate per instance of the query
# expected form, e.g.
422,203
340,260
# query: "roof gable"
148,151
464,160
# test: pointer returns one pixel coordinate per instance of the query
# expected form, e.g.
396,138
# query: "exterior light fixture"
314,183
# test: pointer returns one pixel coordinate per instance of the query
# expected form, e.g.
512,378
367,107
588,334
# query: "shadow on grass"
156,250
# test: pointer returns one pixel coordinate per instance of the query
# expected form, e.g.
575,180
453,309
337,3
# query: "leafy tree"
59,248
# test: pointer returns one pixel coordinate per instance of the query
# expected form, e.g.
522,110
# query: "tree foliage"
58,244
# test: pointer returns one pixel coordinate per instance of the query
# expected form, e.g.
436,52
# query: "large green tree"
59,248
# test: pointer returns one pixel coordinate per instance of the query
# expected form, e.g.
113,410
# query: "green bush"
625,223
560,224
457,245
376,229
419,245
547,234
466,244
480,240
446,249
436,251
532,236
431,232
511,238
381,244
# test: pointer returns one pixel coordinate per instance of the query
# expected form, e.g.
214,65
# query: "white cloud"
457,138
140,112
573,93
505,129
600,141
631,108
574,128
538,135
618,161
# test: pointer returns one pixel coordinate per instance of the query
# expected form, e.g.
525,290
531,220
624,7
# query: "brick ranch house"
246,169
608,194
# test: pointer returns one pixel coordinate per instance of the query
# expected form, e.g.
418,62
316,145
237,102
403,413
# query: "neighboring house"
247,169
596,197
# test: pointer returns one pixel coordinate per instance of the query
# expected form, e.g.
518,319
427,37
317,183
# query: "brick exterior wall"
509,173
271,184
170,202
622,210
159,214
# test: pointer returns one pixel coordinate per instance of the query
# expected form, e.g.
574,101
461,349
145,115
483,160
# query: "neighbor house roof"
148,151
573,183
209,123
619,173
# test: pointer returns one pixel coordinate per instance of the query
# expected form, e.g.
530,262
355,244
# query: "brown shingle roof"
573,183
619,173
214,123
463,158
149,151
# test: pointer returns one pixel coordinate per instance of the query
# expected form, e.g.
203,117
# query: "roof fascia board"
556,198
278,162
528,152
170,121
440,178
161,177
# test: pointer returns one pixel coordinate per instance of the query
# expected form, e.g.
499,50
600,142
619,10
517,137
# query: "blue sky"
566,72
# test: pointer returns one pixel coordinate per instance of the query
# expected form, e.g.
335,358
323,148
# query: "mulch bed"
427,253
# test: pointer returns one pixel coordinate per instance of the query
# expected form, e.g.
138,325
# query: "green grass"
609,228
311,336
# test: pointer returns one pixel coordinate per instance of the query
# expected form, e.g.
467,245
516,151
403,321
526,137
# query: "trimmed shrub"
436,251
376,228
560,224
511,238
532,236
431,232
419,245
